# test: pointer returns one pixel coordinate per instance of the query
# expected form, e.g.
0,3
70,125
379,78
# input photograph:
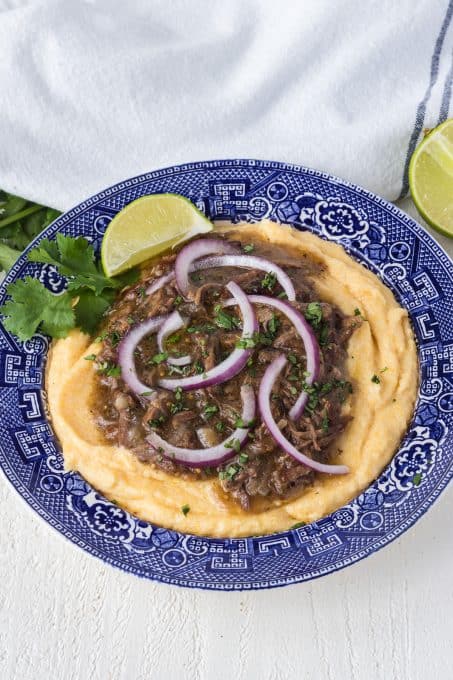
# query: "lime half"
147,227
431,178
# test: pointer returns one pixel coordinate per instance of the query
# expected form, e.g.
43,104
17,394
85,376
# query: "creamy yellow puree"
381,412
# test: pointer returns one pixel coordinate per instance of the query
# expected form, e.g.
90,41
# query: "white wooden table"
65,615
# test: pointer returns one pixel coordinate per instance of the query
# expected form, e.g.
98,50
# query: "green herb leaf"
417,478
224,320
375,379
210,409
246,343
109,368
90,309
313,314
185,509
159,358
234,444
248,248
8,256
32,306
269,281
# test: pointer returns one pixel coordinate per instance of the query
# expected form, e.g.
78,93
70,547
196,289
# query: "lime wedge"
431,178
147,227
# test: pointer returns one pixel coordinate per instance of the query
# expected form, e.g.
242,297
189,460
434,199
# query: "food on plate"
146,227
251,379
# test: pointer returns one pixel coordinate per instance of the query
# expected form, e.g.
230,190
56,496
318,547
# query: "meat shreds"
195,419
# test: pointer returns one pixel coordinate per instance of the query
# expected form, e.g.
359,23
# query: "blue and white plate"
374,232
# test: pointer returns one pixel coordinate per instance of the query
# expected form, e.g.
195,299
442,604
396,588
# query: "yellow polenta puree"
380,411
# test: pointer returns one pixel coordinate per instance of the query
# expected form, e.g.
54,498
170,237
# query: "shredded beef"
196,418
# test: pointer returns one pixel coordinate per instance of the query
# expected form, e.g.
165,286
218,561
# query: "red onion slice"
170,326
234,363
308,338
160,282
193,251
126,350
215,455
264,395
249,262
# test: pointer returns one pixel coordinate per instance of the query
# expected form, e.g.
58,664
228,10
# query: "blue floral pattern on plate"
373,231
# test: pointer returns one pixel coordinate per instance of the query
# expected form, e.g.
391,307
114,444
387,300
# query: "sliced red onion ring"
193,251
170,326
160,282
249,262
308,338
234,363
126,350
267,383
215,454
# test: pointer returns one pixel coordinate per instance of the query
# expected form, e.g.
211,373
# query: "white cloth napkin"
95,92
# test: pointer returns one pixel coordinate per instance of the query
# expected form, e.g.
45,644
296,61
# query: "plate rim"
434,246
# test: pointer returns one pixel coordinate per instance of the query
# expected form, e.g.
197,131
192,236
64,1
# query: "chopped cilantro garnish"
220,427
292,358
156,422
239,422
375,379
173,339
178,404
293,390
243,458
202,328
235,444
248,248
297,525
115,337
199,368
90,357
224,320
159,358
383,370
231,471
324,334
185,509
282,295
210,409
357,312
274,324
325,423
108,368
178,300
246,343
417,478
269,281
313,313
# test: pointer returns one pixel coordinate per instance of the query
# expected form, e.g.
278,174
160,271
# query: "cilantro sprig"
89,292
20,222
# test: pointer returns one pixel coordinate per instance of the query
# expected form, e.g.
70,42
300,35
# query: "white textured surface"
98,90
66,616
